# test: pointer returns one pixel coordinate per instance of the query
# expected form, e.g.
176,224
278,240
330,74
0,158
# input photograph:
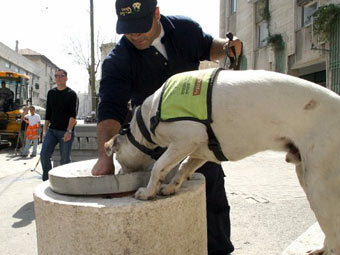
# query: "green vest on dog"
187,96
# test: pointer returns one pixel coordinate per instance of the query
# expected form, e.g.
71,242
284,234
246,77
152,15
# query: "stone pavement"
17,183
312,238
268,208
12,163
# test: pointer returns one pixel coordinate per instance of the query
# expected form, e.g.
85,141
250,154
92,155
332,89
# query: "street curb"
311,239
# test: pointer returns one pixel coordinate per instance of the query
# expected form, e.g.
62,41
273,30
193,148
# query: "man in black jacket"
153,48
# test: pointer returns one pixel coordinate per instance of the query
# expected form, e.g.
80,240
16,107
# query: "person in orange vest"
32,131
234,49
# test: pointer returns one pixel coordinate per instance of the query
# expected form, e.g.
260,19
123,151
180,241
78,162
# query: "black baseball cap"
135,16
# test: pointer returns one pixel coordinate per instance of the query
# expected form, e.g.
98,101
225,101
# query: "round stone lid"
76,179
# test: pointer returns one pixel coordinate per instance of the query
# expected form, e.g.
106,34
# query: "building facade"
38,67
12,61
45,69
278,35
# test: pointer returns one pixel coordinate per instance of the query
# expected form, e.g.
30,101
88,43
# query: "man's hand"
106,129
226,45
104,166
67,136
45,128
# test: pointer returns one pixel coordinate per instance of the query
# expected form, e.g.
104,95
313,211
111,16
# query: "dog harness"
187,96
125,130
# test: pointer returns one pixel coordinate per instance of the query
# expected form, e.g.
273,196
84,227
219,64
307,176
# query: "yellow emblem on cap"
128,10
136,6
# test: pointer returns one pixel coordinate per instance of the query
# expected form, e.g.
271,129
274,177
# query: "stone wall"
285,19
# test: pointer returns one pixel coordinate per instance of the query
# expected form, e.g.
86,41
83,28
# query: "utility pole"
92,74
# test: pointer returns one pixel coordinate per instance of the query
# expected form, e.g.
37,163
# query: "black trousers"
218,210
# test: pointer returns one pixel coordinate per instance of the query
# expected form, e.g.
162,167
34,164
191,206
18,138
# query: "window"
262,34
317,77
7,64
233,6
307,12
261,7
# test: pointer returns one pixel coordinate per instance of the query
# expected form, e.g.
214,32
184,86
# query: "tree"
89,57
82,56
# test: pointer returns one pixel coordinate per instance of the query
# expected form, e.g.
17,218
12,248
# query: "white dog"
252,111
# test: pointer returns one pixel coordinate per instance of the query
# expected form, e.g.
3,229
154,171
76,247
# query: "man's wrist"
69,131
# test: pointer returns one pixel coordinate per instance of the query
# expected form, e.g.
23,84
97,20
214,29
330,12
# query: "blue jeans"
52,138
28,145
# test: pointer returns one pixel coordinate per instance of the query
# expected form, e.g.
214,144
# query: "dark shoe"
23,155
33,155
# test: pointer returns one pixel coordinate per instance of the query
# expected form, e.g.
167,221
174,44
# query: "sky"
49,27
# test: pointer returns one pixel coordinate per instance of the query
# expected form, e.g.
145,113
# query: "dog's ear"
112,145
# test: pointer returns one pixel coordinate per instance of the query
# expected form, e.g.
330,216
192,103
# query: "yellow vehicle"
13,96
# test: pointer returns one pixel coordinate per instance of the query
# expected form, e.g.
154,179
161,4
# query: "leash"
225,65
17,143
34,169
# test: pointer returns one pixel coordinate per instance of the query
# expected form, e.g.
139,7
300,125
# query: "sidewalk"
12,163
268,208
17,183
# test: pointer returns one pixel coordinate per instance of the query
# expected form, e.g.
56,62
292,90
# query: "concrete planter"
96,225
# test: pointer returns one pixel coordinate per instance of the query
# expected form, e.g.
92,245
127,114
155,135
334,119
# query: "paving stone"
309,240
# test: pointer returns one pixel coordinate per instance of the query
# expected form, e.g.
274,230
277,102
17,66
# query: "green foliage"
276,41
324,17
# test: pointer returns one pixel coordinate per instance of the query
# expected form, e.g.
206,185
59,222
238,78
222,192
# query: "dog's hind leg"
170,158
185,171
322,189
300,172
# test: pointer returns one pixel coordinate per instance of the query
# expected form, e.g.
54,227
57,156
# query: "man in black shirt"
61,112
153,48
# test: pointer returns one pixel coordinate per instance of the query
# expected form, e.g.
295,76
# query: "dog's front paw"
316,252
143,194
167,189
